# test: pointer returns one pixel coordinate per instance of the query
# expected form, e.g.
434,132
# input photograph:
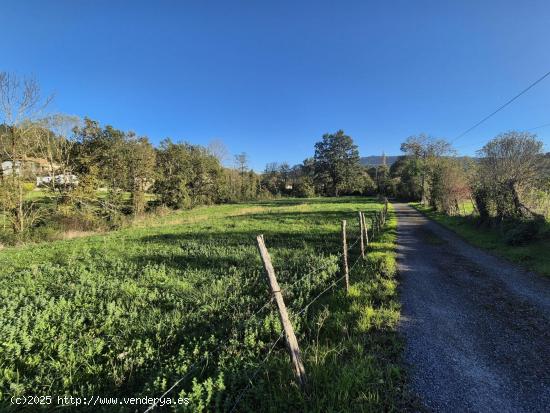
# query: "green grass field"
131,312
533,256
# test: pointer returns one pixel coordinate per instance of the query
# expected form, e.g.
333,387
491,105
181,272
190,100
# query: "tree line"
100,176
507,183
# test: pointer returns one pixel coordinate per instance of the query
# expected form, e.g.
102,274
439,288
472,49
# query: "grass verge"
533,256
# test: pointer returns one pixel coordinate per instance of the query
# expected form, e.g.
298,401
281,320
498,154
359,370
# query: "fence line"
303,310
354,243
383,213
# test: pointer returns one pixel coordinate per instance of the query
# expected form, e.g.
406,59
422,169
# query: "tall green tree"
405,176
141,168
102,158
187,175
337,164
426,152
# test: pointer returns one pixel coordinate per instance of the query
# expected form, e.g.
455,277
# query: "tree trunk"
518,210
480,203
20,217
422,190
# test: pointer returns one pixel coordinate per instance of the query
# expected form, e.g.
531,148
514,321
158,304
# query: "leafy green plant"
130,312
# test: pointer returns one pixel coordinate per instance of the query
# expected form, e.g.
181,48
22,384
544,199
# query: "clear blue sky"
269,78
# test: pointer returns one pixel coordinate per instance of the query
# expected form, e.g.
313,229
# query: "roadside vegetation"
133,311
532,255
499,200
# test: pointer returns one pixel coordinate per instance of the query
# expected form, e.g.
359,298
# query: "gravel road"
477,328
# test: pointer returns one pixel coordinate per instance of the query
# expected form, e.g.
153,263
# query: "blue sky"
269,78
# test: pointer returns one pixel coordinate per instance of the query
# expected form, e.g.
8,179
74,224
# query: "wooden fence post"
362,240
345,255
291,341
373,225
366,228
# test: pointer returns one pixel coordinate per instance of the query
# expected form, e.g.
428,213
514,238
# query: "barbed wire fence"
377,223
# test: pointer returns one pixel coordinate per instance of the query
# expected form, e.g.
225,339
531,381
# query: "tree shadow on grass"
282,230
316,201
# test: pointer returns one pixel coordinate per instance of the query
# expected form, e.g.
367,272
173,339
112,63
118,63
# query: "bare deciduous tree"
217,148
21,106
510,164
55,144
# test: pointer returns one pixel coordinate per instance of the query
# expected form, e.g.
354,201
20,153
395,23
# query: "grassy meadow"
128,313
533,255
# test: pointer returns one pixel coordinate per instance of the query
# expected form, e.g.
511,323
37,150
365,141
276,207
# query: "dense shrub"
522,232
304,189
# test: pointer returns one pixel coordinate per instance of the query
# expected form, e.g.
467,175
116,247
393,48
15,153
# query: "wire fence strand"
271,349
243,391
303,310
215,350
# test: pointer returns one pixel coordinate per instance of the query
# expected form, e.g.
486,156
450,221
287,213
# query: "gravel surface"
477,328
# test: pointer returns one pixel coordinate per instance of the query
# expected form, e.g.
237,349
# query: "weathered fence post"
366,228
362,239
373,225
291,341
345,255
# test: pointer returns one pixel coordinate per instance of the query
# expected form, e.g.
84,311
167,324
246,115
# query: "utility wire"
530,129
541,126
502,106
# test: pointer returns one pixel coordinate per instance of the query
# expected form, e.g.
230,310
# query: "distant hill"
377,160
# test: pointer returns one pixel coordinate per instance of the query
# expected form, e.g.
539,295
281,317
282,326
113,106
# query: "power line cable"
540,127
502,106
